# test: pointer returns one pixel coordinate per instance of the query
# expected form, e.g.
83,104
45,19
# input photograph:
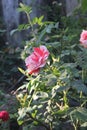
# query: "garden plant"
54,94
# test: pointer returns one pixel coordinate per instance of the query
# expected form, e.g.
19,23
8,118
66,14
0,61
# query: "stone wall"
70,6
12,18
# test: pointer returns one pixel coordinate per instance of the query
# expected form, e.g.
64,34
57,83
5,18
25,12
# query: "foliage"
57,97
58,94
7,103
9,61
84,7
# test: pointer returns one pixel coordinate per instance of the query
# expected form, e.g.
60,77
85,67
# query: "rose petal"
83,38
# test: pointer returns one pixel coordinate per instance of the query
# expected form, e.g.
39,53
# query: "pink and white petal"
34,72
42,64
38,52
43,48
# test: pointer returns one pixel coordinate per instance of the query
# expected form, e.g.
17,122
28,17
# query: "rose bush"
4,115
56,98
83,38
37,60
58,94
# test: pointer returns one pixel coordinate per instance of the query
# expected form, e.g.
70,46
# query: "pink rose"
83,38
4,115
37,60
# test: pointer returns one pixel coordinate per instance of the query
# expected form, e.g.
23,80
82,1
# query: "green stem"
31,97
51,126
84,75
29,21
74,124
35,119
65,98
84,103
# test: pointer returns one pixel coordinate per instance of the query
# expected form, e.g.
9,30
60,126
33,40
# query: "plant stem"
35,119
65,97
51,126
74,125
84,75
29,21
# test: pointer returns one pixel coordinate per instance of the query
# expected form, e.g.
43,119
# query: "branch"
35,119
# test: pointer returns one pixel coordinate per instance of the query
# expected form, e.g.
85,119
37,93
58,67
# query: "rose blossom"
37,59
83,38
4,115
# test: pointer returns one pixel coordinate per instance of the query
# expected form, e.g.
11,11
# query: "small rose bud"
4,115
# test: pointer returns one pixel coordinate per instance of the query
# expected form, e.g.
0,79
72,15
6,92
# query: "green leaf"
79,86
22,114
57,89
42,33
84,126
23,27
38,21
22,87
21,70
13,31
20,122
40,94
49,28
61,112
26,127
79,113
52,79
24,8
32,87
2,30
54,45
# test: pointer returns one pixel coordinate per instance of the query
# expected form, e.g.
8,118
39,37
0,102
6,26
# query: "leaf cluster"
58,95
